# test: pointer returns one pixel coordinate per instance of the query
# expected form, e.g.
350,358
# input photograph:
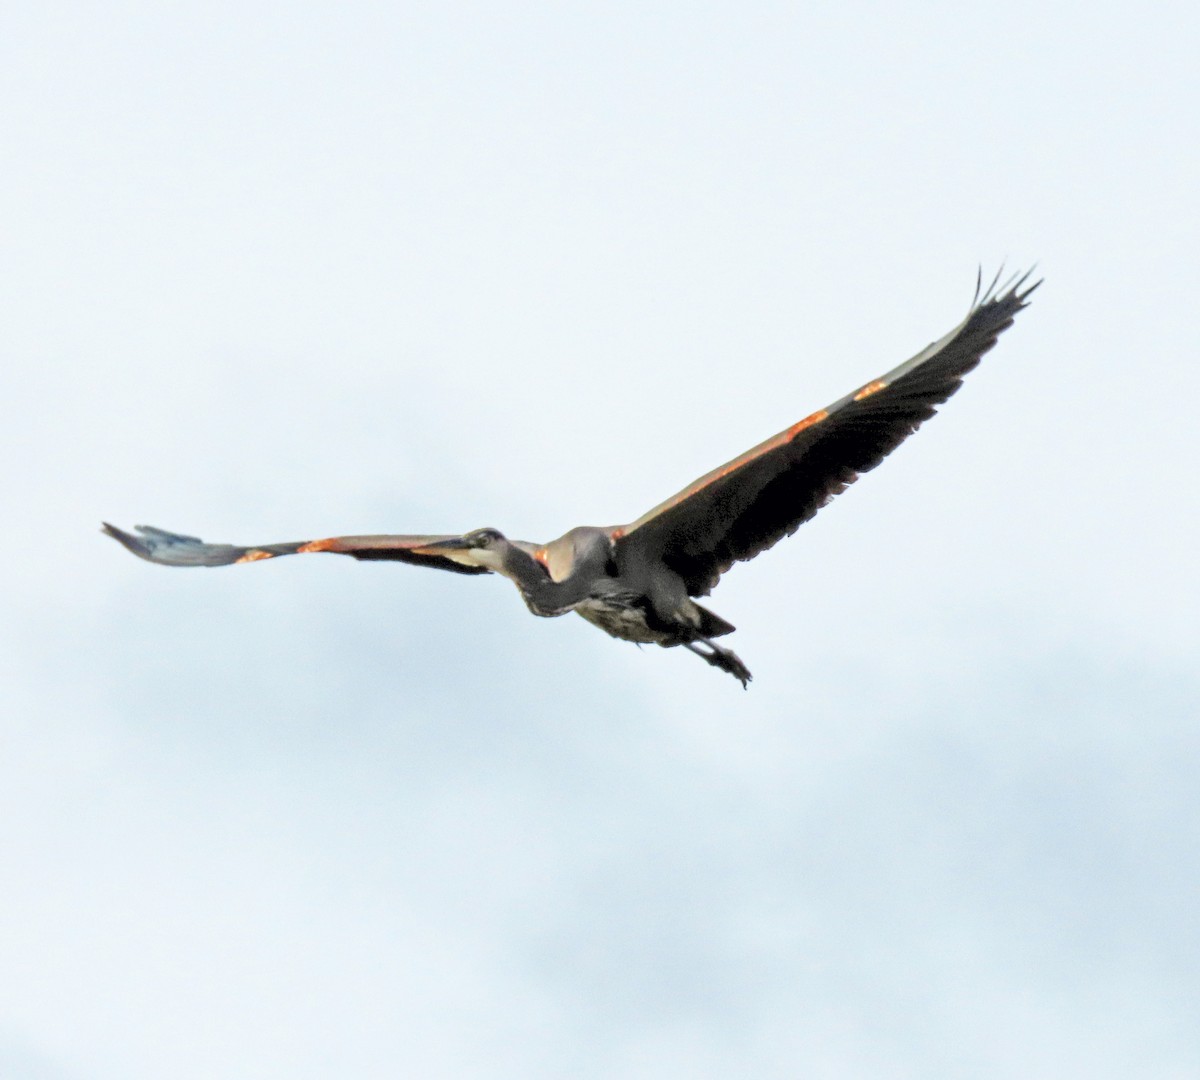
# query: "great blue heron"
637,581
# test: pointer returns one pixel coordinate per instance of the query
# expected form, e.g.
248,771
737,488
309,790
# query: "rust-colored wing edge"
868,389
176,549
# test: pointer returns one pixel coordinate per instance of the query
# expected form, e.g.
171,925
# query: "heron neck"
541,592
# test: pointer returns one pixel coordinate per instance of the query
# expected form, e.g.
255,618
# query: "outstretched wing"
747,505
173,549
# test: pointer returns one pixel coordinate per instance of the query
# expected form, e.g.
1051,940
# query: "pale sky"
274,272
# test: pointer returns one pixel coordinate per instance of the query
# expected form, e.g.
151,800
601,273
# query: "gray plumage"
639,581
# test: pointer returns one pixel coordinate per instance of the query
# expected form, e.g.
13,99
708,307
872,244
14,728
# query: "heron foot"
725,659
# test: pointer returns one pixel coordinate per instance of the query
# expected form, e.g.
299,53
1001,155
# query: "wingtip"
1023,297
1012,290
126,540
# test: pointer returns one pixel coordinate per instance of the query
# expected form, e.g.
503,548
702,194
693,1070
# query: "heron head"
482,547
486,547
482,539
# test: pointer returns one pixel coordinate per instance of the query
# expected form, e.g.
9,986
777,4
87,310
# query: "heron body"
639,581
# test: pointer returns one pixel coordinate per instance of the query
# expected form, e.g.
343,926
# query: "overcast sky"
281,271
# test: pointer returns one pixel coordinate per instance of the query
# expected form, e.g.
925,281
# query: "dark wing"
747,505
172,549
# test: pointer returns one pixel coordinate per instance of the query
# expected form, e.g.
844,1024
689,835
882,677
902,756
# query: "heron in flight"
639,581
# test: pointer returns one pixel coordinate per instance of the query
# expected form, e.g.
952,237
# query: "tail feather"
713,625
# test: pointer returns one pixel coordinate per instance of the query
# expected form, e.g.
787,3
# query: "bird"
639,581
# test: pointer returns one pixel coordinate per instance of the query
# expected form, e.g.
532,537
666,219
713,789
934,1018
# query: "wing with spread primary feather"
744,507
175,549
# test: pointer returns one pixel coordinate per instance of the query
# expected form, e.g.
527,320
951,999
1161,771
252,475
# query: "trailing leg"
725,659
